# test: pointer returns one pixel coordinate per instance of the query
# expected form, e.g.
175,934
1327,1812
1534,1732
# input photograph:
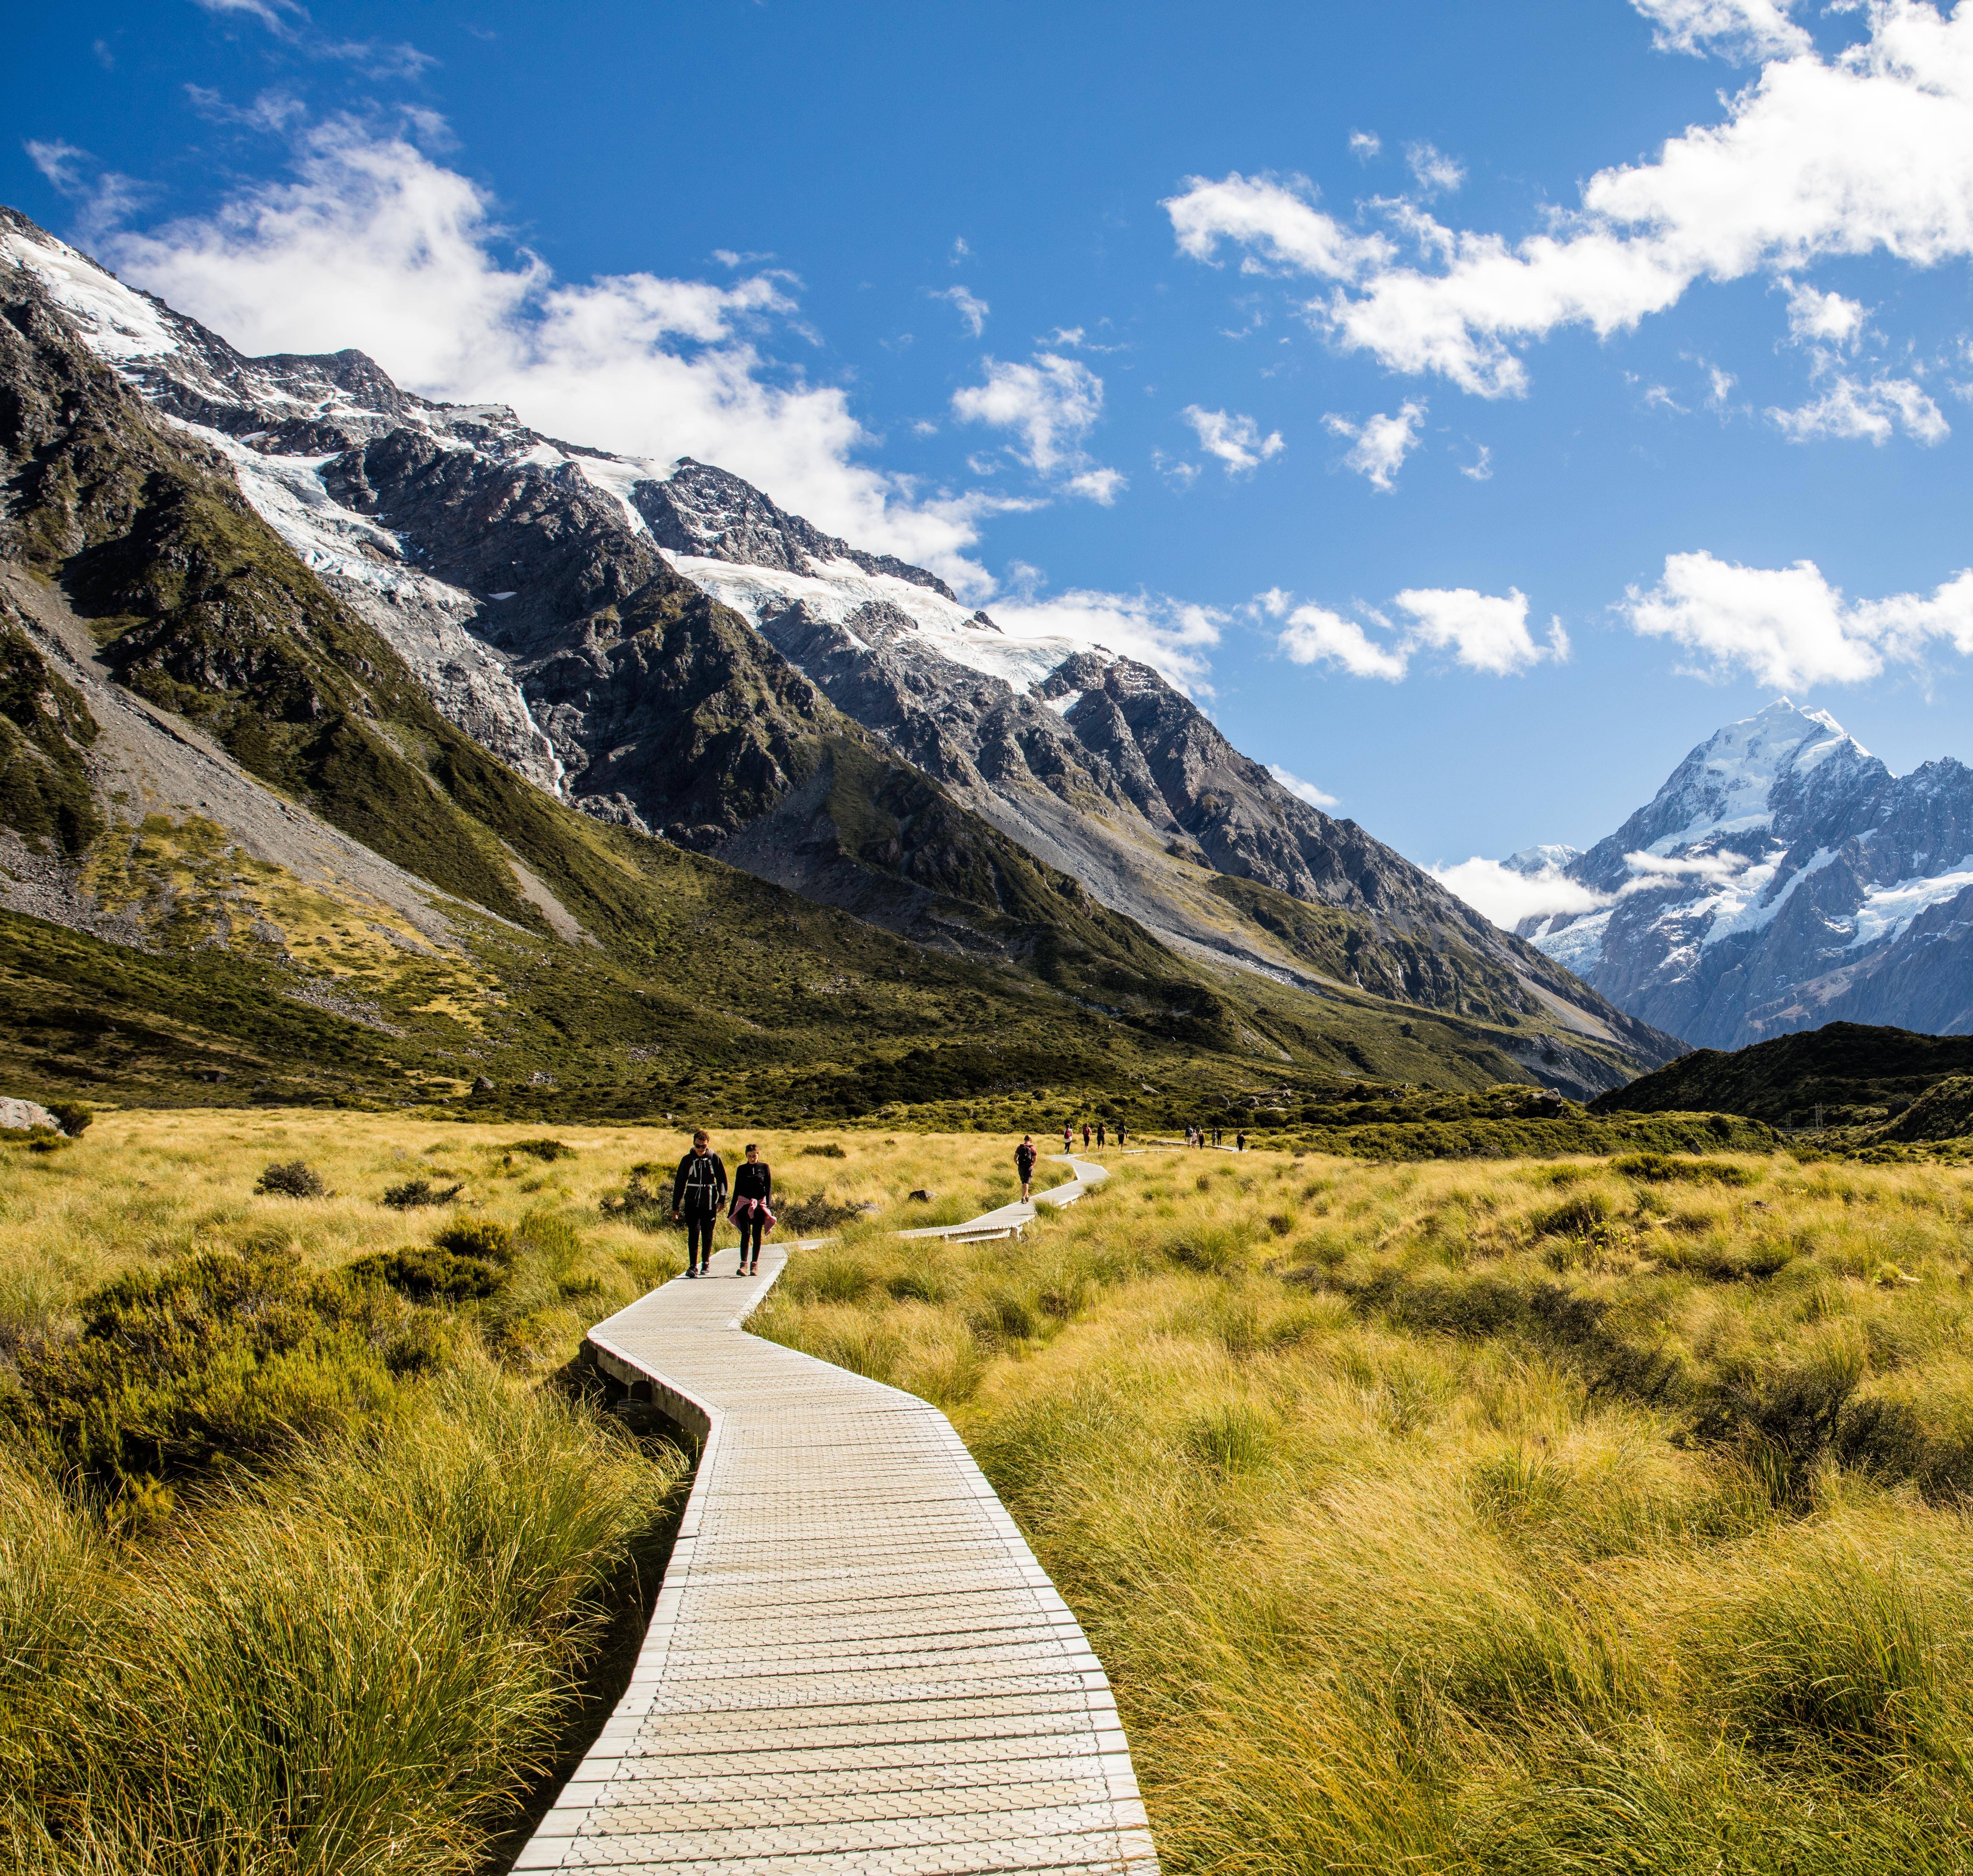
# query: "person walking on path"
698,1189
1085,1136
753,1200
1099,1133
1240,1141
1120,1136
1068,1136
1024,1164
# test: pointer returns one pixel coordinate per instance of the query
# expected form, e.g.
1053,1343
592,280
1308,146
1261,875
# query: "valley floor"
1494,1515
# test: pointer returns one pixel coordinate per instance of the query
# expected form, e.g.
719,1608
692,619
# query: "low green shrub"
294,1179
414,1193
546,1149
216,1359
73,1118
1660,1168
425,1271
829,1150
484,1238
637,1204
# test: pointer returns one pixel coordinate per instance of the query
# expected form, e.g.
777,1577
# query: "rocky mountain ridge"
661,646
1781,878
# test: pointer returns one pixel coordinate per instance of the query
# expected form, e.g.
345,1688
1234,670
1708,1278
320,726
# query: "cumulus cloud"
374,244
1738,28
1236,440
1825,319
1435,171
1506,895
1873,411
1787,627
1869,150
1314,635
970,307
1380,444
1484,633
1366,144
1051,402
1172,635
1481,631
1306,790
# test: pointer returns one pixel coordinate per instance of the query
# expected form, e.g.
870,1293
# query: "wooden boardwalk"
856,1663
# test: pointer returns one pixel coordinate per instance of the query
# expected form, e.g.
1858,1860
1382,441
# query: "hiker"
1120,1136
1099,1133
1085,1136
753,1197
697,1192
1024,1163
1068,1138
1240,1141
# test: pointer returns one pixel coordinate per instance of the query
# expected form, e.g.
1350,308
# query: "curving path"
855,1663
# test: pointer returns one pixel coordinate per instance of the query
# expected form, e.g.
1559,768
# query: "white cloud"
1482,632
373,244
1366,144
1236,440
1170,635
1869,150
1306,790
969,306
1787,627
1825,319
961,250
1313,635
278,16
1434,170
1381,442
1481,468
103,197
1051,402
1506,895
1848,408
1738,28
1719,383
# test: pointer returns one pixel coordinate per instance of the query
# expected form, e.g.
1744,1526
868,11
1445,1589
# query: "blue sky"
1476,404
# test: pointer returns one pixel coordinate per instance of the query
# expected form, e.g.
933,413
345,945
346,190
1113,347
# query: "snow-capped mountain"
1782,878
660,645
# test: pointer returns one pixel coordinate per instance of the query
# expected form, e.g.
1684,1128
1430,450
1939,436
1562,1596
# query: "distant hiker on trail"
1085,1136
1068,1138
1240,1140
1120,1136
753,1195
1099,1133
1024,1163
697,1192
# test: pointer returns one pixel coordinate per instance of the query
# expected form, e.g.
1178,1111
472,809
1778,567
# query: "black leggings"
752,1225
698,1237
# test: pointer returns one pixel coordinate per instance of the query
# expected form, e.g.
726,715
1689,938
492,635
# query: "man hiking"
753,1197
1024,1163
698,1191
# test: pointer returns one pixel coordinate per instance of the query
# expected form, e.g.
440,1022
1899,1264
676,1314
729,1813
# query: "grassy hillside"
1855,1073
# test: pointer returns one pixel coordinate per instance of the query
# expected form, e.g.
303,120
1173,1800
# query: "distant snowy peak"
1535,862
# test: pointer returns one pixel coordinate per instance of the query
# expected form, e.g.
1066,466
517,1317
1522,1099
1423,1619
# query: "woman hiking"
698,1189
753,1195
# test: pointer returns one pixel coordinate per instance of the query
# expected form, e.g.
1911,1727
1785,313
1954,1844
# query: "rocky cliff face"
1781,878
662,645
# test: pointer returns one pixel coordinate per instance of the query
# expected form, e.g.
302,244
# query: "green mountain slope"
370,906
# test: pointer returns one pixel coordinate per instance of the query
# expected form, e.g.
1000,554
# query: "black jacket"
1024,1159
701,1184
754,1179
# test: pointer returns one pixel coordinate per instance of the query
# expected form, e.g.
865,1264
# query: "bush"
1659,1168
425,1271
829,1150
73,1118
817,1213
637,1204
485,1239
547,1150
217,1358
414,1193
1576,1216
294,1179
